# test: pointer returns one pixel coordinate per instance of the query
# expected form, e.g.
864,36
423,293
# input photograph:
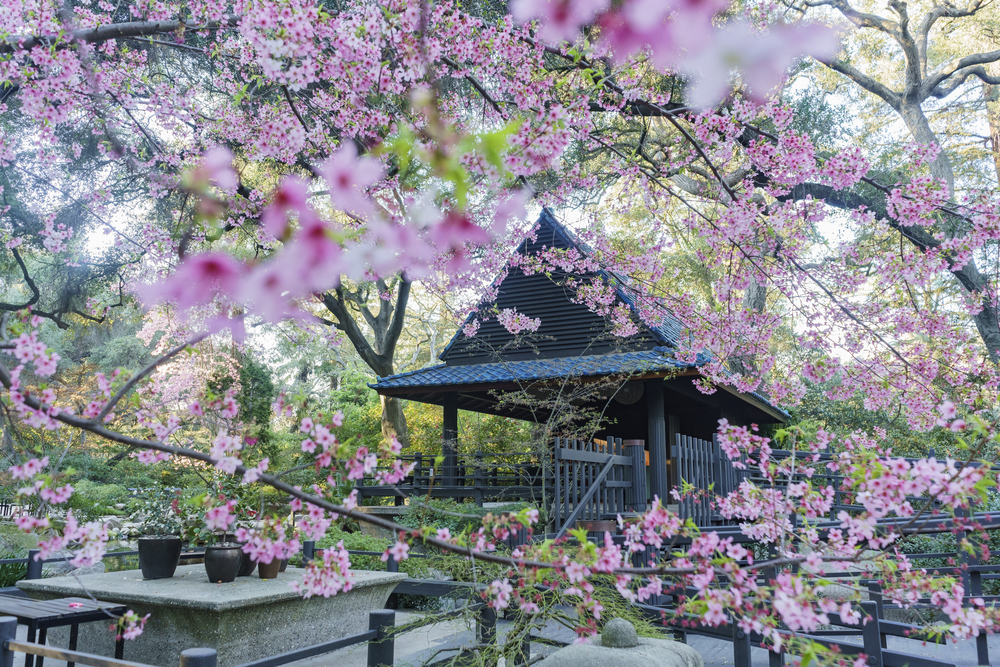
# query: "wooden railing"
482,477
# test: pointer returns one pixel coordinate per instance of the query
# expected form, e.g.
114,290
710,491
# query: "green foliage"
11,573
99,468
121,563
850,415
128,352
415,567
456,517
255,397
91,500
156,511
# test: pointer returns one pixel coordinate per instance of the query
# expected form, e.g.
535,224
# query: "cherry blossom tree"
301,147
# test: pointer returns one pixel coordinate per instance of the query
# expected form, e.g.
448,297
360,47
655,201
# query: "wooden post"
418,471
774,659
522,652
972,579
479,490
657,440
872,635
34,565
381,651
875,593
673,430
486,625
199,657
8,630
741,647
449,440
637,496
557,503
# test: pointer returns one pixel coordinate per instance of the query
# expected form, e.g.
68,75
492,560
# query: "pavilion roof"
634,363
572,342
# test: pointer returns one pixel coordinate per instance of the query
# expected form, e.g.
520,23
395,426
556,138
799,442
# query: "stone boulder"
619,646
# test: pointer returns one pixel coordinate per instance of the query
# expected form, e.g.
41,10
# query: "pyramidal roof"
567,328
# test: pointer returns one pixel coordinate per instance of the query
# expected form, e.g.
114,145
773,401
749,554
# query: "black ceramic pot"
284,565
247,566
222,563
158,556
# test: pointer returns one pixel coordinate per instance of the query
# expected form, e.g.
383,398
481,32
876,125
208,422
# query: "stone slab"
248,619
391,512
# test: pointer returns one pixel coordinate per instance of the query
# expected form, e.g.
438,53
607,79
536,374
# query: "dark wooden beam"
449,439
757,403
658,454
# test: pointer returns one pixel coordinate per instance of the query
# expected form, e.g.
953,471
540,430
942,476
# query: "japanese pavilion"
655,403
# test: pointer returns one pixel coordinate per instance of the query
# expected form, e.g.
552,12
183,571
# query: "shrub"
414,567
11,573
456,517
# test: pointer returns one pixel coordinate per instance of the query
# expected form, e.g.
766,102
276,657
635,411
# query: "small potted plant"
211,524
273,543
160,543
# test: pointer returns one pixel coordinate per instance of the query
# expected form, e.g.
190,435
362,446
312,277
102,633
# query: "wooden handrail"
608,465
68,656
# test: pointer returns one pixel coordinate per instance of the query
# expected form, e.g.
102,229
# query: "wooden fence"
583,481
591,481
703,465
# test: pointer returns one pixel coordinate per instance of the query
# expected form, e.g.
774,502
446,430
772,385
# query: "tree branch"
889,96
35,294
127,387
114,31
937,85
398,316
347,324
914,69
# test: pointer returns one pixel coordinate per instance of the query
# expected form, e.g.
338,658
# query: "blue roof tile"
532,369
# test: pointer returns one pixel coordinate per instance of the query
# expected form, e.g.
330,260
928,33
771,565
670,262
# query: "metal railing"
380,638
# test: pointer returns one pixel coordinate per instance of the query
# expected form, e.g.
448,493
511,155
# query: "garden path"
416,647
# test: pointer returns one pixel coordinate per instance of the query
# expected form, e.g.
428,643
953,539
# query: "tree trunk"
754,299
386,326
991,94
916,121
394,421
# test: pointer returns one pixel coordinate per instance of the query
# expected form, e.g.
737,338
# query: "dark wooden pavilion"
647,395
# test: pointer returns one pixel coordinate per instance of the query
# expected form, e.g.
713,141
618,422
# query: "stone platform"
245,620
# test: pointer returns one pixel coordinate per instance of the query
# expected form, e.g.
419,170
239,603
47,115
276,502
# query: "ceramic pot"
158,556
284,565
222,563
247,566
269,570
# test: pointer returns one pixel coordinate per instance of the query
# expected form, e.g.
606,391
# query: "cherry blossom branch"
671,115
127,387
114,31
475,84
291,104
